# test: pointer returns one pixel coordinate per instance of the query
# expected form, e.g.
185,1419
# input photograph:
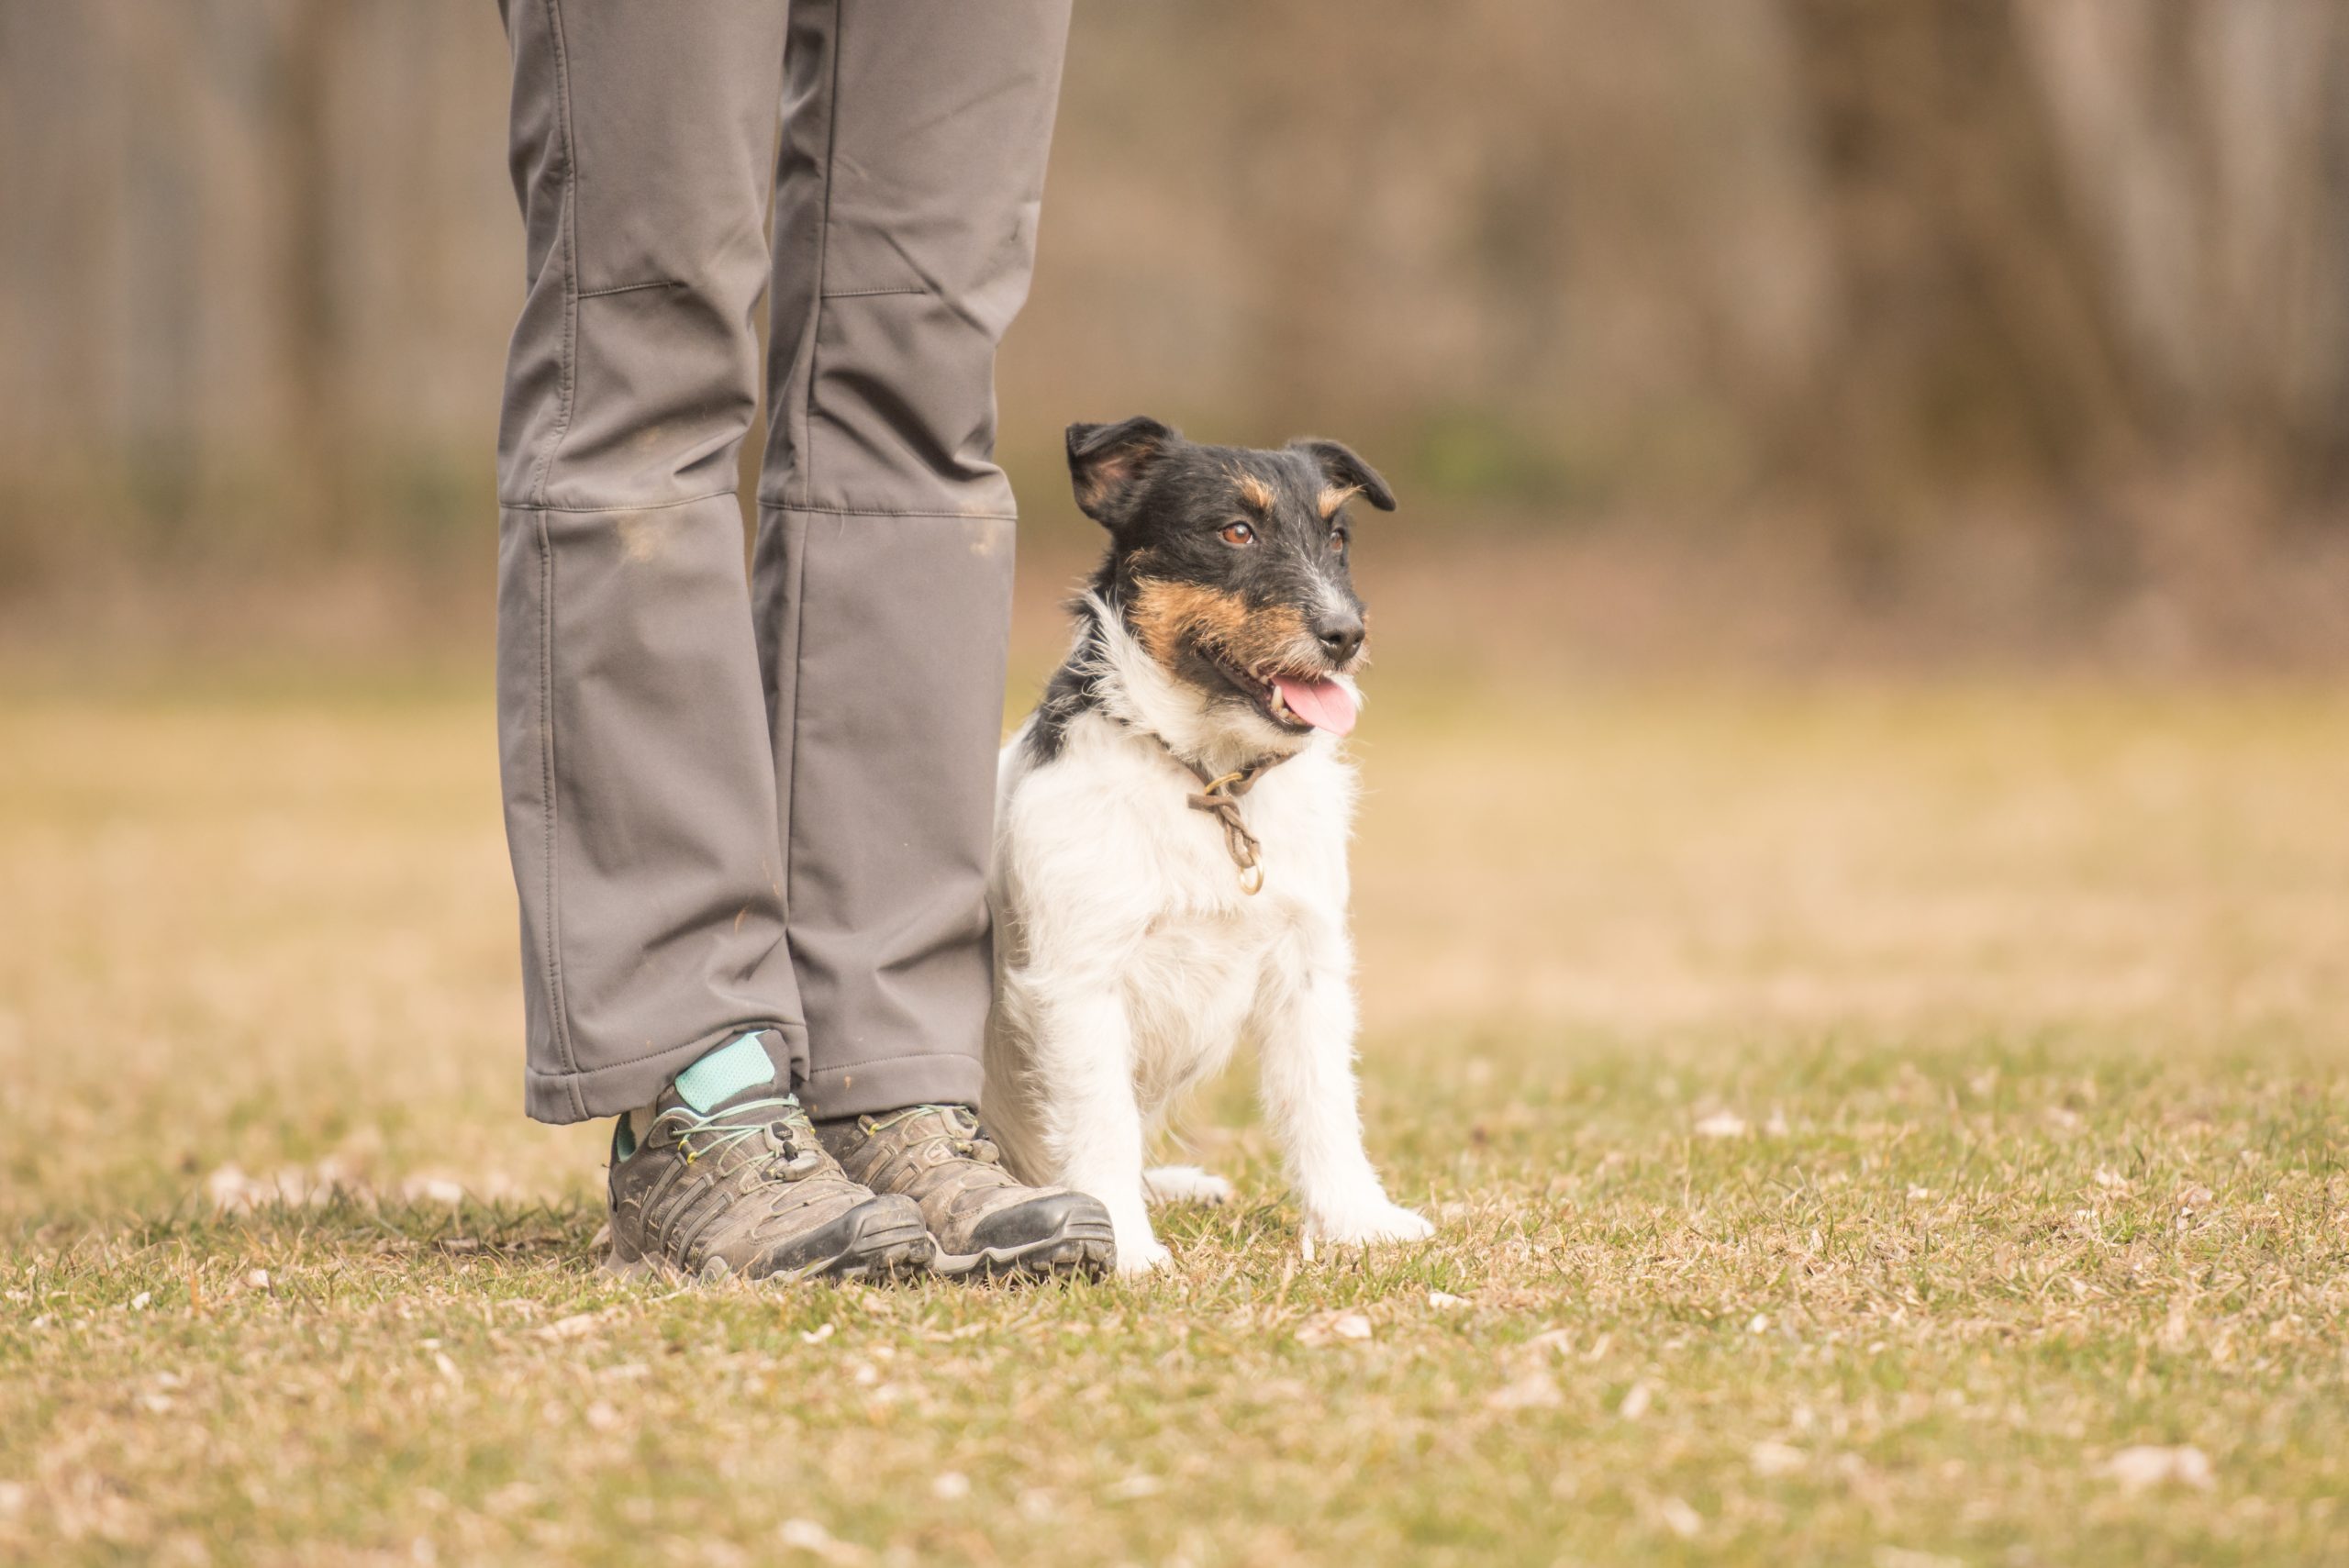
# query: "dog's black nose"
1339,636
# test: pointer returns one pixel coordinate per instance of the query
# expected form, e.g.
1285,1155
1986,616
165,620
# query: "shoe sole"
891,1250
1081,1247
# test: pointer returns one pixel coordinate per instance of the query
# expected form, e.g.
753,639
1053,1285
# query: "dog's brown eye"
1337,541
1238,533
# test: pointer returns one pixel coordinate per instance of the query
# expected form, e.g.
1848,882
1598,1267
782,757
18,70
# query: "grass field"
1897,1125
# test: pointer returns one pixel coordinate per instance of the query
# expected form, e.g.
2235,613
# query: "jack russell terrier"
1169,875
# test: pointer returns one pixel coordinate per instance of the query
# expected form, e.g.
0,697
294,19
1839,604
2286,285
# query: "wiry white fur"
1184,1184
1130,963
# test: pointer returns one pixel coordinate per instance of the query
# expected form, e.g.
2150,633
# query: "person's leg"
640,789
911,174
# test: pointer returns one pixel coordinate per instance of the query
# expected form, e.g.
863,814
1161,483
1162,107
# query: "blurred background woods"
1748,328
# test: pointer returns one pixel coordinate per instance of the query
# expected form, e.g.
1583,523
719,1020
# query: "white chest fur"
1103,867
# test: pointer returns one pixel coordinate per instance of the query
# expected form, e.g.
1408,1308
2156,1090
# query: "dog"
1169,873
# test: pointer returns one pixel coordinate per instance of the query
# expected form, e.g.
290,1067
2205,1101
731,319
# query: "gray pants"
761,805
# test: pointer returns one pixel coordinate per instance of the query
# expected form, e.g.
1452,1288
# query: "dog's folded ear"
1104,461
1345,470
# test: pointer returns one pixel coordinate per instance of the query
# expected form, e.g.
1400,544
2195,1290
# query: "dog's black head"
1230,565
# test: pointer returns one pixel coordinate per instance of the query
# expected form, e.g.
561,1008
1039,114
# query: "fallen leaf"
1133,1486
432,1189
229,1188
569,1327
1336,1324
2147,1465
807,1535
1534,1391
231,1191
1901,1557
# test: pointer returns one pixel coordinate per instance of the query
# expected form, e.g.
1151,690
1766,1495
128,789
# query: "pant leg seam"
886,512
791,786
569,378
823,255
616,505
629,288
558,1006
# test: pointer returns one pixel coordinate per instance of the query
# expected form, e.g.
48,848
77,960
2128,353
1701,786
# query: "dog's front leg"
1093,1134
1307,1052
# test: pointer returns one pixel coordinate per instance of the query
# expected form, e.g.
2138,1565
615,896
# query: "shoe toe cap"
1045,1217
881,1229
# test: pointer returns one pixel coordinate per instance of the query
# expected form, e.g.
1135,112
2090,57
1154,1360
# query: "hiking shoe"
980,1214
746,1191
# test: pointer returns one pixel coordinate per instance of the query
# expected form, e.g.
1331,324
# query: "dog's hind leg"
1184,1184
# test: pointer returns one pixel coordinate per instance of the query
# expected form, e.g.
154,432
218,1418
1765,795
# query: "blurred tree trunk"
2205,141
1970,332
313,330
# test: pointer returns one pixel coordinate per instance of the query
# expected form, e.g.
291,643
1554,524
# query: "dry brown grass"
1858,1119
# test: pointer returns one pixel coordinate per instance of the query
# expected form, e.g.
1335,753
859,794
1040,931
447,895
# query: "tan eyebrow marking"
1335,497
1253,491
1168,614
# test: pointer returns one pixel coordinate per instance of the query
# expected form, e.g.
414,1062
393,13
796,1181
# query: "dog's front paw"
1360,1225
1139,1252
1146,1256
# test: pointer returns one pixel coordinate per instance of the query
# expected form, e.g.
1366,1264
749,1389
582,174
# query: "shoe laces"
962,1132
796,1153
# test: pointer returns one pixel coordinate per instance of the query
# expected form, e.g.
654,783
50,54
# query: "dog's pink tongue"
1323,703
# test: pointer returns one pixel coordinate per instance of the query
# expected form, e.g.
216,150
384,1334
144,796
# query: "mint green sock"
725,1072
715,1077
